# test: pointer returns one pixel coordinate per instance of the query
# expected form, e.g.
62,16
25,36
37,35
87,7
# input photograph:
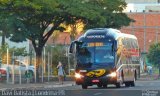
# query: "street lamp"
31,57
35,69
7,66
52,58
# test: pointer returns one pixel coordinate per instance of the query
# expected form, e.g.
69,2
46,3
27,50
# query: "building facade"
142,5
146,28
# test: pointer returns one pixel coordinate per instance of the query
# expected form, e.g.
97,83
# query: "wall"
146,28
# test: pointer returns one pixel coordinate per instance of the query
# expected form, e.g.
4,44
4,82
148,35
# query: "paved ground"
4,86
146,77
142,88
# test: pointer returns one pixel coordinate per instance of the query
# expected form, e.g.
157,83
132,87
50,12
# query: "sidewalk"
4,86
147,77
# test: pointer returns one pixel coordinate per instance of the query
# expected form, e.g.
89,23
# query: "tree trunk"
38,63
3,39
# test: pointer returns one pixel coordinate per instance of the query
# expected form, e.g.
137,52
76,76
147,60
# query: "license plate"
83,71
95,81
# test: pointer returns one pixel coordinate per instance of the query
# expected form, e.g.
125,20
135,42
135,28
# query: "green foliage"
36,20
3,49
11,51
96,13
17,51
58,53
30,18
154,54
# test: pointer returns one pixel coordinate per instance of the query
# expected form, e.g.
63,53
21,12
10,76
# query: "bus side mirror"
71,48
73,44
114,47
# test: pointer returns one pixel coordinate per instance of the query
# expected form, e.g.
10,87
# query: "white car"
17,68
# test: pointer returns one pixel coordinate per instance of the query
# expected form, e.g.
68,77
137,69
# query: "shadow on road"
108,87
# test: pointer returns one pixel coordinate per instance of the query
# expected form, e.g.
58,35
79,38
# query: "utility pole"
7,67
144,18
69,65
20,73
13,67
132,27
35,77
43,64
157,30
48,66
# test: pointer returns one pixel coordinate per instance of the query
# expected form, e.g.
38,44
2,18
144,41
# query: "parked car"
17,68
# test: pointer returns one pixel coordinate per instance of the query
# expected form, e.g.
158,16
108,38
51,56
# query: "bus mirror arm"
71,48
115,49
73,44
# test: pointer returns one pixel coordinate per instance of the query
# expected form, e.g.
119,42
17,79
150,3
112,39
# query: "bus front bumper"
94,81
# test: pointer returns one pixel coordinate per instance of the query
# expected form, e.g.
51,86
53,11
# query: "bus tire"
84,86
122,77
118,85
127,84
133,82
99,85
104,85
135,74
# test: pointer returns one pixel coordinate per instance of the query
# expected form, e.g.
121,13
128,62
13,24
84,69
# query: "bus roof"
109,32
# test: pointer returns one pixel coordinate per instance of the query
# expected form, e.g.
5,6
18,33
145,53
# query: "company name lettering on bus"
96,36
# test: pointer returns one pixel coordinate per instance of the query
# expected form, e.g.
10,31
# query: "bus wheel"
84,86
99,85
105,85
127,84
118,85
133,82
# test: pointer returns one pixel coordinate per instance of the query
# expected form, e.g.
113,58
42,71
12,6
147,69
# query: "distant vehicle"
18,68
106,56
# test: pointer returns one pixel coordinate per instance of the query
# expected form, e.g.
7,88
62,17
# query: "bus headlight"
113,74
78,76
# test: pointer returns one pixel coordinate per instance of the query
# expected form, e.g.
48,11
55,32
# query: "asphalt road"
142,88
140,85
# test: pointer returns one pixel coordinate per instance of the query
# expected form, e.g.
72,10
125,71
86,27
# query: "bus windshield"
95,53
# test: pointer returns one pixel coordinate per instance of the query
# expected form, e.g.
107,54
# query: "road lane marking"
37,87
55,86
151,84
96,94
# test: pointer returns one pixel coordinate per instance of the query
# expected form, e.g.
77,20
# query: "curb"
56,85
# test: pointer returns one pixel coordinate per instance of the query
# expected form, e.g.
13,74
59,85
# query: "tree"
17,52
154,55
7,21
58,51
73,29
97,13
4,24
36,20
